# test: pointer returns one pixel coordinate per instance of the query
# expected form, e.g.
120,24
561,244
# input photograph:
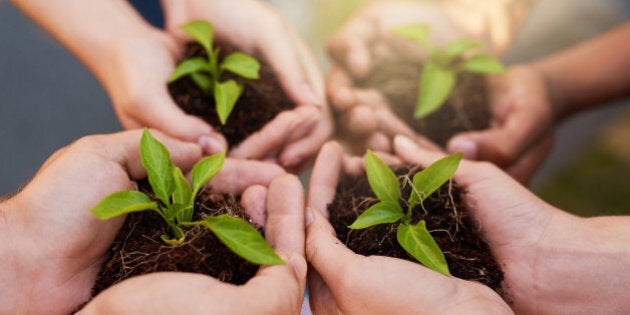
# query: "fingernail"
308,216
210,144
466,146
405,142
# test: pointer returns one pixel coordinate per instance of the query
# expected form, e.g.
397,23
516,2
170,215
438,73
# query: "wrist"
582,267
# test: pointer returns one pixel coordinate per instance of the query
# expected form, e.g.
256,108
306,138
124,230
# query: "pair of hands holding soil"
54,246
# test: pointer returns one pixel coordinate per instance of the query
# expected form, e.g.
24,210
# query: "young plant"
174,202
439,73
413,238
206,72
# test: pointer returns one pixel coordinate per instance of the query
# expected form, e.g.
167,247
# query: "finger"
339,87
236,175
324,176
378,141
254,200
163,114
297,153
285,215
123,148
359,121
504,143
294,67
320,297
323,248
271,137
349,47
524,168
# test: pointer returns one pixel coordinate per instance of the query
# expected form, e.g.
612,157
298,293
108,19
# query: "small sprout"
413,238
206,72
439,73
175,200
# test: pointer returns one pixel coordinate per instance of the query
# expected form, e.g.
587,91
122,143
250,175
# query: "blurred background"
48,99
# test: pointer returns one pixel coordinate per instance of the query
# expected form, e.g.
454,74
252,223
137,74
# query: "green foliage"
206,72
439,74
175,203
414,238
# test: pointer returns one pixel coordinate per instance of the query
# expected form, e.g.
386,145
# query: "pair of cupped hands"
54,247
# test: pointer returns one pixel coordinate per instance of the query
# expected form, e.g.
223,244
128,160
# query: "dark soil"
465,110
260,102
467,255
138,248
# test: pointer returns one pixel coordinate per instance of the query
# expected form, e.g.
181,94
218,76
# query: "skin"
133,59
526,103
553,262
342,282
53,246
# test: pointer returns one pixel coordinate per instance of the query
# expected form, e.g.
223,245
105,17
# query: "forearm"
589,74
89,29
586,270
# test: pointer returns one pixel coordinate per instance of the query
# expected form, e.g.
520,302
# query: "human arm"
256,28
531,98
52,245
344,282
130,58
553,262
277,289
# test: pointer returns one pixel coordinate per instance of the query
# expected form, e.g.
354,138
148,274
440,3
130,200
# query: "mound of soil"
467,255
261,101
466,109
138,248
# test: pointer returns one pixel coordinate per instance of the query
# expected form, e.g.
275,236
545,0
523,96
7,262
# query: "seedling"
174,202
439,73
206,72
413,238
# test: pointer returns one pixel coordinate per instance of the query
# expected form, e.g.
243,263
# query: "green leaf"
241,64
382,179
381,212
416,32
204,170
431,178
243,239
436,83
459,46
182,192
203,81
188,66
202,32
182,196
123,202
482,63
419,243
157,161
225,96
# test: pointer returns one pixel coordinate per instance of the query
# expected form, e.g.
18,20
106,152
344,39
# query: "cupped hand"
277,289
342,282
295,136
135,79
366,37
519,136
553,262
53,245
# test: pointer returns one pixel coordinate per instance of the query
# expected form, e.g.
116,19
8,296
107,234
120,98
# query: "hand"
295,136
519,136
365,115
277,289
344,282
53,246
553,262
